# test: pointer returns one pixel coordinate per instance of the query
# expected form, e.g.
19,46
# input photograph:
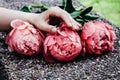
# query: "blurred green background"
109,9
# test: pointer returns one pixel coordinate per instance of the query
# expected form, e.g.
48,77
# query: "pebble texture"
17,67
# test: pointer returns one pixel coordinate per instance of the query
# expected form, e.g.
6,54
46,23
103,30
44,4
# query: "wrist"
31,18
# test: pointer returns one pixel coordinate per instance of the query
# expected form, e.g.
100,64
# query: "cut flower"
63,46
97,37
24,38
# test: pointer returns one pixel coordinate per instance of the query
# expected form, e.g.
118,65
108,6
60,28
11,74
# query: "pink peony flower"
63,46
24,38
97,37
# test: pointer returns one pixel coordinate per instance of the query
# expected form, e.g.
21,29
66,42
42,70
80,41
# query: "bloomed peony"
63,46
24,38
97,37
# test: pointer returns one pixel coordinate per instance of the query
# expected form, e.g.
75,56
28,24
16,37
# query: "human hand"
42,20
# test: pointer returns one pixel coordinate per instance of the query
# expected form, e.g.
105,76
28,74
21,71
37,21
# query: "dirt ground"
17,67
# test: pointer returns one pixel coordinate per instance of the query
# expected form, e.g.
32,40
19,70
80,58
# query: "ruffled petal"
88,30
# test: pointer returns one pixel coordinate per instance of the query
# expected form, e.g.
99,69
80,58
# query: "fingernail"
79,25
54,29
69,24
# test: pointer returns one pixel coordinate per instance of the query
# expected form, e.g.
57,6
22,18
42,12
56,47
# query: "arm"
40,21
7,15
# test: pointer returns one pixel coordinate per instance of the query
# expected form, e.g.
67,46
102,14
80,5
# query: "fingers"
46,27
70,21
66,17
41,21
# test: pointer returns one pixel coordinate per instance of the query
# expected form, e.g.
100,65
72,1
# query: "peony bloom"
63,46
24,38
97,37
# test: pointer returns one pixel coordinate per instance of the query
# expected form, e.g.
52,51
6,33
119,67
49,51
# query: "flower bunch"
66,44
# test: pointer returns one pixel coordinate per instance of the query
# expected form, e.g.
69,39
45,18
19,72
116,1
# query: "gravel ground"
17,67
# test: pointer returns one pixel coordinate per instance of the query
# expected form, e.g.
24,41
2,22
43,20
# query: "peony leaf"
76,13
85,20
63,2
57,26
90,17
81,15
42,7
79,20
26,9
82,21
69,7
62,7
39,6
86,11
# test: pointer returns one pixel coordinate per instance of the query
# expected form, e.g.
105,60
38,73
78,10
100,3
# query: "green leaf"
62,7
90,17
39,6
63,3
79,20
86,11
80,17
42,7
57,25
26,9
76,13
69,7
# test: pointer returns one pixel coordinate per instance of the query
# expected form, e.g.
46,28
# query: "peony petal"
88,30
72,36
48,57
49,41
62,33
112,35
108,26
90,45
17,23
59,40
110,46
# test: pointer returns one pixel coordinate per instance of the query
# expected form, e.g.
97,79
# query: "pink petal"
17,23
88,30
49,41
62,33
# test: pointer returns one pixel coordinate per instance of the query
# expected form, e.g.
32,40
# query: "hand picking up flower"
97,37
24,38
63,46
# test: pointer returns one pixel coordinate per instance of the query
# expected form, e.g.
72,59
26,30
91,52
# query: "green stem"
39,6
